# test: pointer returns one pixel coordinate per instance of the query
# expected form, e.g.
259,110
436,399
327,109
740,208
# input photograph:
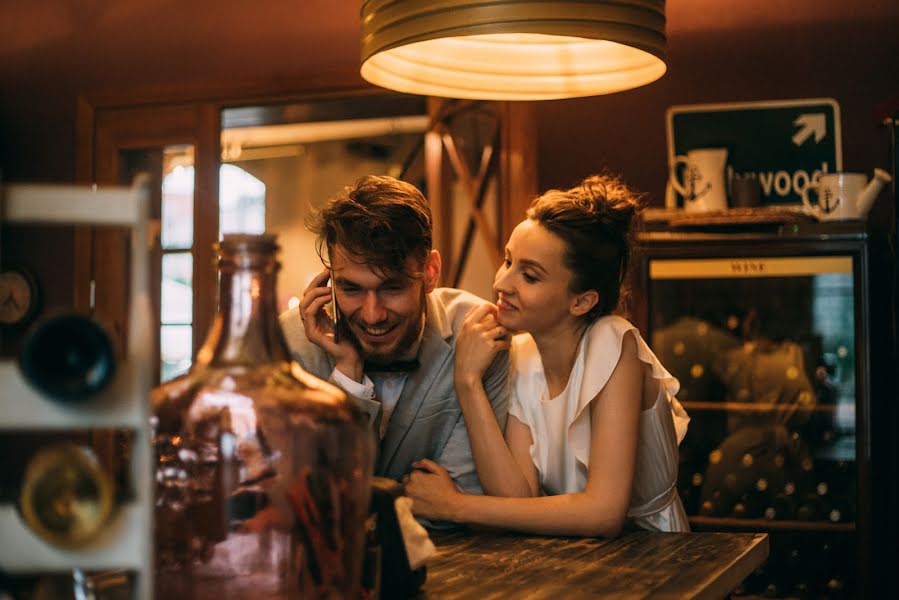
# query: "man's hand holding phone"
321,325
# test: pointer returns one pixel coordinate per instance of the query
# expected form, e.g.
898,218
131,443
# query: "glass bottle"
262,470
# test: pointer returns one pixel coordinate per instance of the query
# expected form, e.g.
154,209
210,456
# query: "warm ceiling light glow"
512,50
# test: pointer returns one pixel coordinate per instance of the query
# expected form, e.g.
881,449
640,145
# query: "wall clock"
18,297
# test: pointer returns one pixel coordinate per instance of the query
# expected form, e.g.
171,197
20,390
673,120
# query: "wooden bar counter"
482,566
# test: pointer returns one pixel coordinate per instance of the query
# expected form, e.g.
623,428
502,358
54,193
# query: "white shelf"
70,205
26,408
122,545
126,541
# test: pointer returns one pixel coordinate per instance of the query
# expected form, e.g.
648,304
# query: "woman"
593,425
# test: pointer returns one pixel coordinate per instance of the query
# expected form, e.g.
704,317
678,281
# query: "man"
392,349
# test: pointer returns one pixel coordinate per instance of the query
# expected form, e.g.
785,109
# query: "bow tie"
397,366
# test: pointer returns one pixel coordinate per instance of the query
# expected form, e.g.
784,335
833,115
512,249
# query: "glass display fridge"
781,338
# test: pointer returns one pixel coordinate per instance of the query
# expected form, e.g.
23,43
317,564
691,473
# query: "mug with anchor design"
701,182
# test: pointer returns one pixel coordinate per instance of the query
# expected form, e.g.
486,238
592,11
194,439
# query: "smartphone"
335,312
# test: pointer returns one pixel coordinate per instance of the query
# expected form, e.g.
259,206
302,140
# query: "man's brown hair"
379,221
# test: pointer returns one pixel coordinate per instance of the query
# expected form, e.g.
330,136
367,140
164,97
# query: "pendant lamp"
512,50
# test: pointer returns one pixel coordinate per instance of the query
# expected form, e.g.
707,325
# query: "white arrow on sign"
810,123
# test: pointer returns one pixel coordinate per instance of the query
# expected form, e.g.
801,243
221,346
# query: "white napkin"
415,537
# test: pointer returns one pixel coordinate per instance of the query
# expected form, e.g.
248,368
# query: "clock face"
18,297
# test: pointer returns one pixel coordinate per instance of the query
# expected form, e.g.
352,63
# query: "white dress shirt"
383,387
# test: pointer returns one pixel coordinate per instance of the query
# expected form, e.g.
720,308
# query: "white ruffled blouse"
560,426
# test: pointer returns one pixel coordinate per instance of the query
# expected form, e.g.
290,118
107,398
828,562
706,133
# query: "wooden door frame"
111,120
99,254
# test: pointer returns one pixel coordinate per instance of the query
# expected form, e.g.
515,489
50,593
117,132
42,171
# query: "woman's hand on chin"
433,493
479,340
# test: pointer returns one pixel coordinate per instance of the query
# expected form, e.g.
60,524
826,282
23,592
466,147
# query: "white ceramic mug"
838,195
703,186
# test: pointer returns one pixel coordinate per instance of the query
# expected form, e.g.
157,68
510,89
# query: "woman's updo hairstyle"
595,219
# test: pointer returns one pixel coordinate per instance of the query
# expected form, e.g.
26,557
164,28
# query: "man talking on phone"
395,329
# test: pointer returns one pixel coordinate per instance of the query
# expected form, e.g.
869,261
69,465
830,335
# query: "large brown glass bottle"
263,471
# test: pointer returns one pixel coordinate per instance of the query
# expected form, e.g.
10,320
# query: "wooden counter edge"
737,571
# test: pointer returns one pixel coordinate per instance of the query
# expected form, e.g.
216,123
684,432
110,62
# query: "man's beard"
399,351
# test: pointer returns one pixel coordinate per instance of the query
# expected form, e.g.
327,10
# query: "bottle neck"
245,329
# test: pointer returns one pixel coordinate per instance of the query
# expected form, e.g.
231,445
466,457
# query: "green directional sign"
785,143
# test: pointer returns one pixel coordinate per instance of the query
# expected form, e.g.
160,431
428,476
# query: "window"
241,210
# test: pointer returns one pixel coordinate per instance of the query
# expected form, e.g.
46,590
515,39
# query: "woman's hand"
320,331
433,493
479,340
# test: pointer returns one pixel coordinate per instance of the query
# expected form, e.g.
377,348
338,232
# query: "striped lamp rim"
512,50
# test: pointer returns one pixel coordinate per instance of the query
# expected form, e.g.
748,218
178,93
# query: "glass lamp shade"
512,50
